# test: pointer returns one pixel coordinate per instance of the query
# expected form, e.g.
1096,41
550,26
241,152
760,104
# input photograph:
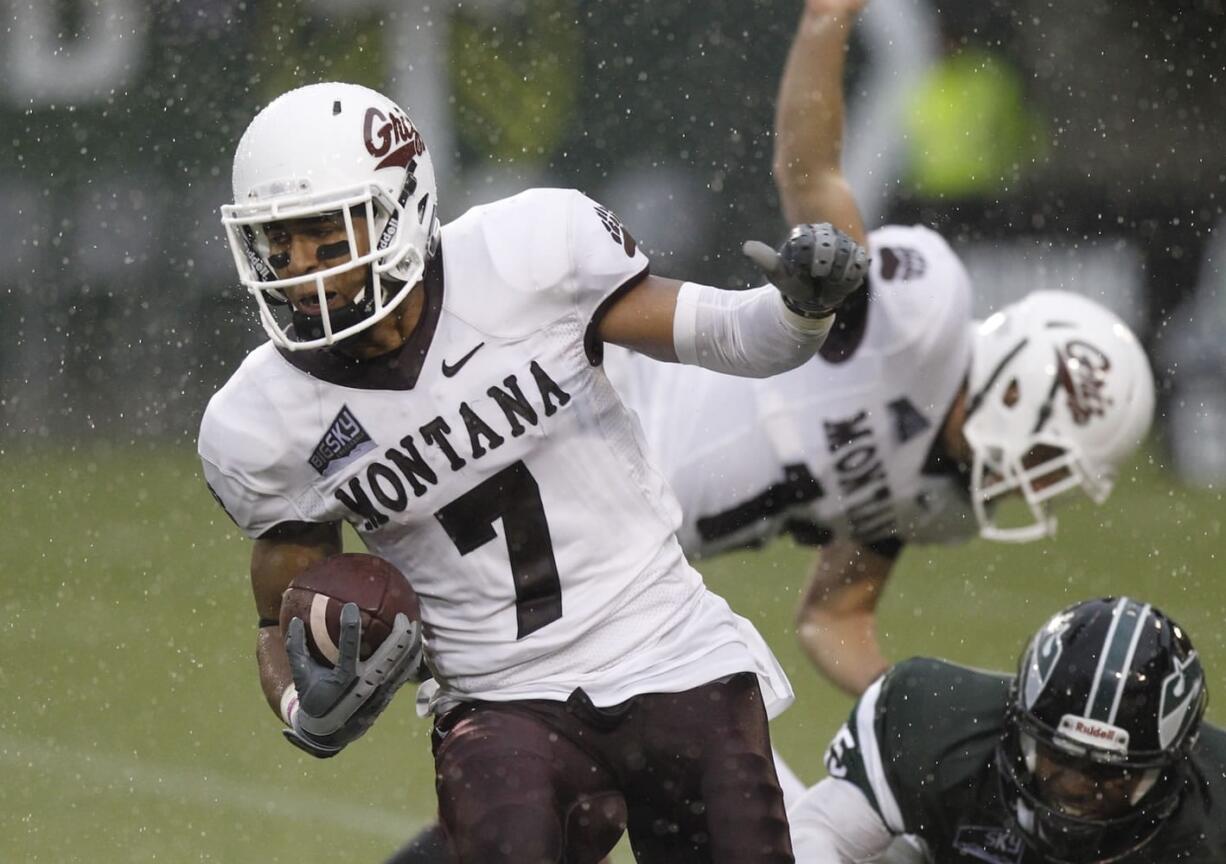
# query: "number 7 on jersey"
512,496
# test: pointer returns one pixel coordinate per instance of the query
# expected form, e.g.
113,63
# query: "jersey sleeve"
243,469
917,740
606,261
254,513
605,258
523,263
856,756
922,293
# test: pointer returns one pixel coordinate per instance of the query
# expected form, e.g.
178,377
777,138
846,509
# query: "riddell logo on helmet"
1082,372
1094,733
394,133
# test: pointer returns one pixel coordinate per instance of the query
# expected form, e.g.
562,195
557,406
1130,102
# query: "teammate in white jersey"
912,422
441,390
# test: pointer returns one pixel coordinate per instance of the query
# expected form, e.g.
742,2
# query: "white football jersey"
490,459
830,449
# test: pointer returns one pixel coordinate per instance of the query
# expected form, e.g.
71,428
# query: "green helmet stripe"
1119,649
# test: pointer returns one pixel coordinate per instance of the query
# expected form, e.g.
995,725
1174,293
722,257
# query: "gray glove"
815,269
338,704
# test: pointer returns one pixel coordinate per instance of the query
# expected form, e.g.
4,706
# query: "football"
317,594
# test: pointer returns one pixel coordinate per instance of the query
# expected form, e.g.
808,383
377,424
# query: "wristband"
289,705
807,314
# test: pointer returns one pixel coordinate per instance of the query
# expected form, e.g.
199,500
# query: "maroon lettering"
381,132
1082,373
377,142
1095,731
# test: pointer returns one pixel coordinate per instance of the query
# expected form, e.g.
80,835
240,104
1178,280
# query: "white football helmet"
335,149
1059,394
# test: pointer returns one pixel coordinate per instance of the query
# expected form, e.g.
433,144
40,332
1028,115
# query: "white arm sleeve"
834,822
747,333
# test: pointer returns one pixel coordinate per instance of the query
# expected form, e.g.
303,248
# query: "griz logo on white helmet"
1059,393
344,151
1082,373
391,130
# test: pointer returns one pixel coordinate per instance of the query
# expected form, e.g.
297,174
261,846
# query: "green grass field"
132,728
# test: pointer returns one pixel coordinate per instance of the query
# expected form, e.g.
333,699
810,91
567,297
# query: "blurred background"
1075,145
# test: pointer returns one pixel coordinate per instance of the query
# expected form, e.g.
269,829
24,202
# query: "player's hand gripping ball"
352,629
319,592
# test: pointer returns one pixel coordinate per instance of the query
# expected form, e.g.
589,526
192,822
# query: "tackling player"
1094,752
912,423
441,390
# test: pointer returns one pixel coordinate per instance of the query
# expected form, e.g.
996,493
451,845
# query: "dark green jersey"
921,745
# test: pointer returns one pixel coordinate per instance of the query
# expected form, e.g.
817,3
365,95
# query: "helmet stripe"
1046,410
977,398
1102,657
1137,631
1115,658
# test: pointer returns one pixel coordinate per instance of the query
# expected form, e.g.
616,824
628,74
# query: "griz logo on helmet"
1082,371
393,129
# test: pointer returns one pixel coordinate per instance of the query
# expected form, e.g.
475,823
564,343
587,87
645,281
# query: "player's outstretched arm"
809,120
837,619
755,333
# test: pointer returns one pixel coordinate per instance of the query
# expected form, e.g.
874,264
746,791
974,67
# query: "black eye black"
279,260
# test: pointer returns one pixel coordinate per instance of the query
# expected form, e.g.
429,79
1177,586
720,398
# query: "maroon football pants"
689,774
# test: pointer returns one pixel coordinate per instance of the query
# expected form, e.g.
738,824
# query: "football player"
912,424
1094,752
441,390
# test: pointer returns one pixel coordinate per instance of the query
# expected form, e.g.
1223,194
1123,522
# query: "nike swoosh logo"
450,369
